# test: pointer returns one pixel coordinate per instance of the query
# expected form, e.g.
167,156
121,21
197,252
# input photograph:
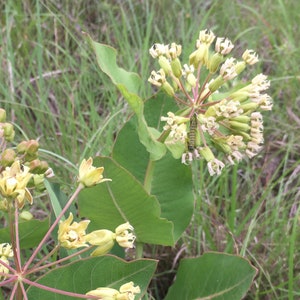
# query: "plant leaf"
212,276
90,273
30,233
128,84
124,199
171,181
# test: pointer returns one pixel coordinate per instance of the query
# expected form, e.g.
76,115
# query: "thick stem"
17,240
13,234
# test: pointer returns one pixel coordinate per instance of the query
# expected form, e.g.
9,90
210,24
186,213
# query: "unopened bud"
7,157
26,215
176,67
252,106
239,126
38,167
165,64
30,146
242,119
8,132
2,115
206,153
214,85
240,67
168,88
214,62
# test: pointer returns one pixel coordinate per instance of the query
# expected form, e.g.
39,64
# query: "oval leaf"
124,199
90,273
212,276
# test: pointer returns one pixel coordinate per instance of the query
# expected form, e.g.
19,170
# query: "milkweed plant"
95,251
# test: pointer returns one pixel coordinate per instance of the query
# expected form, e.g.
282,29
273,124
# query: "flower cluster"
20,168
126,291
5,253
72,235
214,115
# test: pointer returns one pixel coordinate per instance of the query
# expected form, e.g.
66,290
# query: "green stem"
149,176
139,247
232,214
147,187
13,235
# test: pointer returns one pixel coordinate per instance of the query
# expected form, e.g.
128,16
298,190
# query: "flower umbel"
215,117
72,235
90,175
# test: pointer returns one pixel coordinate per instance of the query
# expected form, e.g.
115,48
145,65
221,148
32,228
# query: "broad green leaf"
215,276
110,204
90,273
167,179
30,233
128,84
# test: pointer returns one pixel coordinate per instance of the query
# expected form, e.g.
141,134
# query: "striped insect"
191,136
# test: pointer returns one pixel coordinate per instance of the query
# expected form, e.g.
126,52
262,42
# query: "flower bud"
240,67
176,67
206,153
214,62
242,119
8,132
2,115
38,167
239,126
216,83
251,106
168,88
26,215
7,157
165,64
29,147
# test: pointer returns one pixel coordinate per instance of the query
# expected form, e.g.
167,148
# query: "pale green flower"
72,235
90,175
219,115
13,183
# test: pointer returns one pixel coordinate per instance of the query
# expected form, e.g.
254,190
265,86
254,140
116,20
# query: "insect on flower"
191,137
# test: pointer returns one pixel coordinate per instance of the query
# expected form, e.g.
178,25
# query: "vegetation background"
53,89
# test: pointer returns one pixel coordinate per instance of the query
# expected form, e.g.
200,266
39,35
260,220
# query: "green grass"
52,88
